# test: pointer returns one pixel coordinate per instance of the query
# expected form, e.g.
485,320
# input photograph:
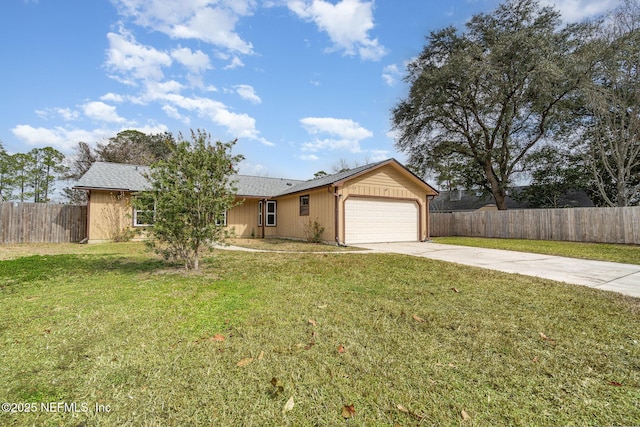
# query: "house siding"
110,212
243,219
291,223
386,182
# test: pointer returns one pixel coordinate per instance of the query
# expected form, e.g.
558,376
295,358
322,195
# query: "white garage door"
380,220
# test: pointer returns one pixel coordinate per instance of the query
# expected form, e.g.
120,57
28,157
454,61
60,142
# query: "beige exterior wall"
290,224
391,182
243,219
110,213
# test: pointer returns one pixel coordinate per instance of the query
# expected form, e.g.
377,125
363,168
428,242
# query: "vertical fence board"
603,225
41,223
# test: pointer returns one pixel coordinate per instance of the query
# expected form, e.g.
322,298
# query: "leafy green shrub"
313,231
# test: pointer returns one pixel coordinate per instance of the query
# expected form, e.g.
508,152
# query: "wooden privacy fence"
604,225
42,223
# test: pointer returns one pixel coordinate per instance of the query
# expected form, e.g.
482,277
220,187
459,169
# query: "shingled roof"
260,186
122,177
114,176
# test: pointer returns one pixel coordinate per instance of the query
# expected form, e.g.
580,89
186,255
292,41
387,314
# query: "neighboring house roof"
123,177
465,200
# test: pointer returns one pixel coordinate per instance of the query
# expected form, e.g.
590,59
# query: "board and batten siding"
243,218
110,212
290,224
386,182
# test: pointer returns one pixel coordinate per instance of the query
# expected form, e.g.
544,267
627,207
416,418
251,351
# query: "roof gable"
341,177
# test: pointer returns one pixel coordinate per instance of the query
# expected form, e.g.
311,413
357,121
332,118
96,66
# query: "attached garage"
373,220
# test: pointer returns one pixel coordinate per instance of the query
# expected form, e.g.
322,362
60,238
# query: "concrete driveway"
611,276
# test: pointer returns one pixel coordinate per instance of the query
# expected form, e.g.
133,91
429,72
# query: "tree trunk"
497,190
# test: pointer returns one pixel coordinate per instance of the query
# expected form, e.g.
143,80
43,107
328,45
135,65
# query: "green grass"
627,254
288,245
115,326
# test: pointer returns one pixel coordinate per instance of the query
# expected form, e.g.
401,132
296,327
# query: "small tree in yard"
192,189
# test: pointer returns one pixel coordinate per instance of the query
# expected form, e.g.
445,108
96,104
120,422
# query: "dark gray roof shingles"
114,176
117,176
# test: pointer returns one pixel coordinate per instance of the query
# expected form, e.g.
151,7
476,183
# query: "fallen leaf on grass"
261,356
244,362
615,383
217,338
464,415
312,322
348,411
341,349
278,387
401,408
455,290
322,307
311,344
288,406
418,318
535,359
546,338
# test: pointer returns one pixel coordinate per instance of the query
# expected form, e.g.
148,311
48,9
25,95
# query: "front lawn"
626,254
288,245
259,339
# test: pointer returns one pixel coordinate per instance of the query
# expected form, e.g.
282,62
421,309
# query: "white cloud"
248,93
155,91
576,10
149,129
173,112
347,23
65,139
309,157
238,125
209,21
59,137
131,61
66,114
391,74
112,97
343,134
254,169
196,62
100,111
235,63
378,155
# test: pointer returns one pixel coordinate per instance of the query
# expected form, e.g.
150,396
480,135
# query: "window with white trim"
222,219
271,213
144,215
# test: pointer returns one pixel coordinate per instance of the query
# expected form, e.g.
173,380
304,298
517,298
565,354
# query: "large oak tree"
611,122
479,100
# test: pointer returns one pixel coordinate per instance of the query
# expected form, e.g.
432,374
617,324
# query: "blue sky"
300,83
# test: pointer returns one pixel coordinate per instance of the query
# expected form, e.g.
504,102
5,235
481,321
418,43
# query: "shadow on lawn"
49,267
